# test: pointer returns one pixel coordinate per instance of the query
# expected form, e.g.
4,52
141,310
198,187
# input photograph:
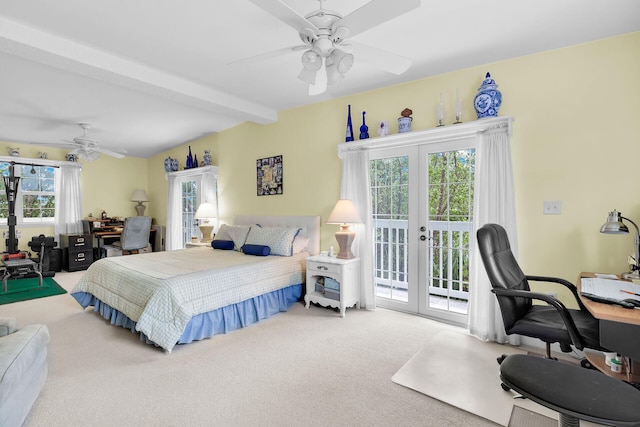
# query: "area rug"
26,289
462,371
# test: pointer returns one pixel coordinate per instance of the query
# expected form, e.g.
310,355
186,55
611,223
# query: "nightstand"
197,244
346,272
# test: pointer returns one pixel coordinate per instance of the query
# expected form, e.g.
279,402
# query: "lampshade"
206,212
344,213
614,225
140,196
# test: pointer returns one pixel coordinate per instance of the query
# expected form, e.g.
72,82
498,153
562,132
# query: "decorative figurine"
42,155
349,136
364,129
14,152
206,159
404,122
384,129
488,100
71,157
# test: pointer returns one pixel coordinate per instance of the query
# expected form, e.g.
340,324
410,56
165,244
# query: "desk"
619,331
106,233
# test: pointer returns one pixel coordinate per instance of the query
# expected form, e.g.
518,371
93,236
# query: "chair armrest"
565,283
554,302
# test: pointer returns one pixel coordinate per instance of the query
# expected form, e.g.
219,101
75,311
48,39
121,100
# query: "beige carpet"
461,370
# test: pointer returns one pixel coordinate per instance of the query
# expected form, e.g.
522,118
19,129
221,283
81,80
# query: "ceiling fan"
87,148
325,61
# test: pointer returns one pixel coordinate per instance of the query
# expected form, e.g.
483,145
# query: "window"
35,201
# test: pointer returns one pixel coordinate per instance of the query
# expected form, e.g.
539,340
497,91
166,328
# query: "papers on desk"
609,288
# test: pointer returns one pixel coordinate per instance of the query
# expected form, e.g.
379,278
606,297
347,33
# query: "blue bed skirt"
206,325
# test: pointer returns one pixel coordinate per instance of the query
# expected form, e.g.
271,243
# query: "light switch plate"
552,207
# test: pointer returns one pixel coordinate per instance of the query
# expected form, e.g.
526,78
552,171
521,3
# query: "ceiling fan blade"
285,14
268,55
119,154
381,59
373,13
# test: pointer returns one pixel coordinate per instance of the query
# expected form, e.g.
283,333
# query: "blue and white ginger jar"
488,100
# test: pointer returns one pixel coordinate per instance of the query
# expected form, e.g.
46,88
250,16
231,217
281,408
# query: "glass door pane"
450,232
190,204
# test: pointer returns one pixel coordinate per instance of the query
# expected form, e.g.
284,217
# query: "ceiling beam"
51,50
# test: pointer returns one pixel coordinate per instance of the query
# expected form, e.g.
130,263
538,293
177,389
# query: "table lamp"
140,196
344,213
614,225
206,212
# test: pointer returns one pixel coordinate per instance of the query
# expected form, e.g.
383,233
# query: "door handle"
423,237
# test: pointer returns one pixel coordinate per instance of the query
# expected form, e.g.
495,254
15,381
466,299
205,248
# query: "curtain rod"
33,164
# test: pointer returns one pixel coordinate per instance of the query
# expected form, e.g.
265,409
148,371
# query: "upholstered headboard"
309,223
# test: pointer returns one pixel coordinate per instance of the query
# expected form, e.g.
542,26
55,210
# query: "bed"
181,296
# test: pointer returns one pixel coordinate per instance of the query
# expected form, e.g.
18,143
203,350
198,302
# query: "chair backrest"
503,271
135,234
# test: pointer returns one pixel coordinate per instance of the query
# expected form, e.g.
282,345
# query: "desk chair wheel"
505,387
587,365
501,359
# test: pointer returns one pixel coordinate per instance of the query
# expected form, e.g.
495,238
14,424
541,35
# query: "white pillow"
300,243
279,239
236,233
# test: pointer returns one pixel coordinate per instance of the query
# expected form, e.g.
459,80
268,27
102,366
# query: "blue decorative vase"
170,164
349,133
167,164
488,99
364,129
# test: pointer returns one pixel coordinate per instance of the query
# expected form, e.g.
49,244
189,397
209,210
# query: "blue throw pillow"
226,245
258,250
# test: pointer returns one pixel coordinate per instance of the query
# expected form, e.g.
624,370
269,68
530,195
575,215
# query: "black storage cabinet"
77,251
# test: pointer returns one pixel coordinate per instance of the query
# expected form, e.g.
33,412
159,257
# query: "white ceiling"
150,75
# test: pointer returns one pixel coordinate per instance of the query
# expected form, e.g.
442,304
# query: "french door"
422,206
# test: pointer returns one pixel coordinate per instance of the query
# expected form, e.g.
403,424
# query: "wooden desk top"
608,311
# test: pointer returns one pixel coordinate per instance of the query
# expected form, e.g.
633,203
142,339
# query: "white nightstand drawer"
322,268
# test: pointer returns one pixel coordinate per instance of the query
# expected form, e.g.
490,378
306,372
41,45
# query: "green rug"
26,289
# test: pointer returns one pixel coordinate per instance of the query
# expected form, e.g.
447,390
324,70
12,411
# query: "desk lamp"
140,196
206,212
614,225
344,213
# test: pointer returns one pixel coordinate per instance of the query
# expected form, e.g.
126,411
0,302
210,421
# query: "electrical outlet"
552,207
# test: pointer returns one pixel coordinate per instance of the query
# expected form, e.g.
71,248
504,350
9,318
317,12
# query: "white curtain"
494,202
174,215
355,186
68,216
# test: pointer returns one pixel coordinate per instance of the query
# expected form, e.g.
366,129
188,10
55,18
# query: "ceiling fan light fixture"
311,60
342,60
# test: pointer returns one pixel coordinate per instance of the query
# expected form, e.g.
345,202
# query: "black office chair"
135,235
550,323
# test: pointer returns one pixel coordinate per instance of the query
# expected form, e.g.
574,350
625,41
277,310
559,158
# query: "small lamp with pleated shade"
344,214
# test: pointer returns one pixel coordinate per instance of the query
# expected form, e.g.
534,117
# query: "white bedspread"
162,291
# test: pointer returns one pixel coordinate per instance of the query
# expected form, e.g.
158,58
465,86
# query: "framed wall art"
269,176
